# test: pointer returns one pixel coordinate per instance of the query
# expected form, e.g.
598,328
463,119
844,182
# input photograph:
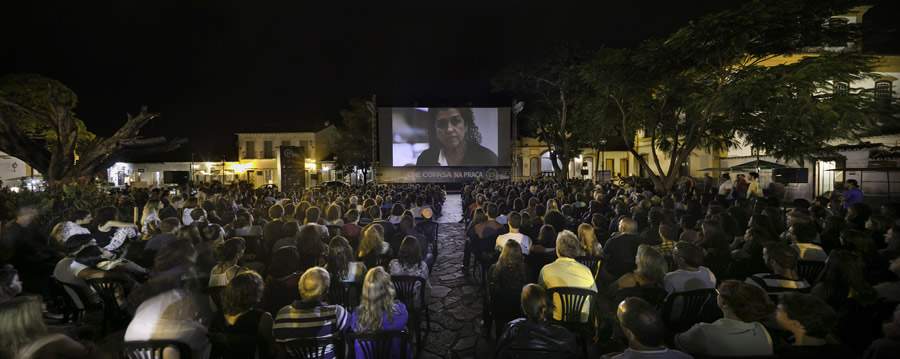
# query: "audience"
743,307
533,336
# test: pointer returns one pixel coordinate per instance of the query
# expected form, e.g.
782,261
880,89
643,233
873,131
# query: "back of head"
641,320
782,254
567,245
650,263
534,302
748,302
690,254
515,220
21,323
312,214
231,249
313,284
816,316
377,300
628,225
285,261
169,225
410,253
242,293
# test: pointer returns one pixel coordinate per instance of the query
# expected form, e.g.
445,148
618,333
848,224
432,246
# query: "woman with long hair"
24,335
506,279
409,261
372,246
378,310
843,279
342,264
588,240
242,330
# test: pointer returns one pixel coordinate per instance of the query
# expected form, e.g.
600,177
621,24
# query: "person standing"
753,188
726,187
853,194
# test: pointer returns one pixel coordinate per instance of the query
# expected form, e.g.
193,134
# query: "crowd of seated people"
798,279
224,271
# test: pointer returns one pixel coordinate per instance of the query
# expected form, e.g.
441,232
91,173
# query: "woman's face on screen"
450,127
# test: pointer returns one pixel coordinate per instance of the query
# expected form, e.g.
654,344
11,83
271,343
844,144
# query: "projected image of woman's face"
451,128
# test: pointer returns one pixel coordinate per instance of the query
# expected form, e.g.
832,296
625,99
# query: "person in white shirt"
691,274
515,221
726,186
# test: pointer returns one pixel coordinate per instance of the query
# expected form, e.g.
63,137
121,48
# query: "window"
841,88
249,149
285,143
267,150
534,167
519,165
883,92
610,165
623,167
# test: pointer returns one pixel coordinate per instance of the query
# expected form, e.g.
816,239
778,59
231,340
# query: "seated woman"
243,330
312,250
589,240
533,333
378,310
171,305
24,335
342,264
281,281
409,262
229,254
810,320
739,332
372,246
506,279
90,264
111,233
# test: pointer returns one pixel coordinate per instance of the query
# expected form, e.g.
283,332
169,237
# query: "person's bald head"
627,225
641,323
314,284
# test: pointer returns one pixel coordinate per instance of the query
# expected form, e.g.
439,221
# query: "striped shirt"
309,320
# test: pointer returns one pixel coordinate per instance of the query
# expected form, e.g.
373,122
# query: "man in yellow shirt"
565,271
754,190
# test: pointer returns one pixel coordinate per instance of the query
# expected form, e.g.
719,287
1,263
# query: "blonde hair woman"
589,240
378,310
372,245
24,335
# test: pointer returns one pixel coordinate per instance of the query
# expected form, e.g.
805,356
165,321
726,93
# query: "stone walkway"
455,301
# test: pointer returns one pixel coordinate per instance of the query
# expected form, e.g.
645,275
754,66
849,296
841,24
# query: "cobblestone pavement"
455,301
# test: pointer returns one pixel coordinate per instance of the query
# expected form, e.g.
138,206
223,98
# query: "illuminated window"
883,92
841,88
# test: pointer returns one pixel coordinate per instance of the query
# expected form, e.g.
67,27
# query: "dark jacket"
619,254
476,155
528,339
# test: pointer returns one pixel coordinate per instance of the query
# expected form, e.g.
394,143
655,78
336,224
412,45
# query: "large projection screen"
444,136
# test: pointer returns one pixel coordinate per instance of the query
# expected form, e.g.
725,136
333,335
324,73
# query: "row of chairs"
377,345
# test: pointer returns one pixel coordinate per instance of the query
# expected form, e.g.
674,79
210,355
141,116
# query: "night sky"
212,68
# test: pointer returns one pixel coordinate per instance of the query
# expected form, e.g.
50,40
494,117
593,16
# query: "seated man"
644,329
782,260
514,223
802,236
532,334
309,317
619,252
691,274
566,272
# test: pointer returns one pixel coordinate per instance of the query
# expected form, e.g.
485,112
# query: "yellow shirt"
566,272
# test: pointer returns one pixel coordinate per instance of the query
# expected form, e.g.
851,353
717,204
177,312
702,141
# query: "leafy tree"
707,86
355,133
38,125
557,99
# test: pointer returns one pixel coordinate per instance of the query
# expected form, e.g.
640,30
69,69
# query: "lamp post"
602,154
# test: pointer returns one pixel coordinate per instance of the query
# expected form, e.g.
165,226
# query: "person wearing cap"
691,274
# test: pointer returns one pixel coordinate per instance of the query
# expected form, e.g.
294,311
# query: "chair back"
73,303
408,289
387,344
156,349
311,348
346,294
572,300
591,262
810,270
334,230
684,309
107,288
653,295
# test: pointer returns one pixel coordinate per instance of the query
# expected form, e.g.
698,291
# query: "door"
623,168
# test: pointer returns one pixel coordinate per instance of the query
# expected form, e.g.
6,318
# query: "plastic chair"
312,348
593,263
409,288
653,295
810,270
107,289
155,349
572,300
388,344
346,294
73,303
684,309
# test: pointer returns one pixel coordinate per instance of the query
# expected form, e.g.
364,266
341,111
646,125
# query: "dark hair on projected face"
473,135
